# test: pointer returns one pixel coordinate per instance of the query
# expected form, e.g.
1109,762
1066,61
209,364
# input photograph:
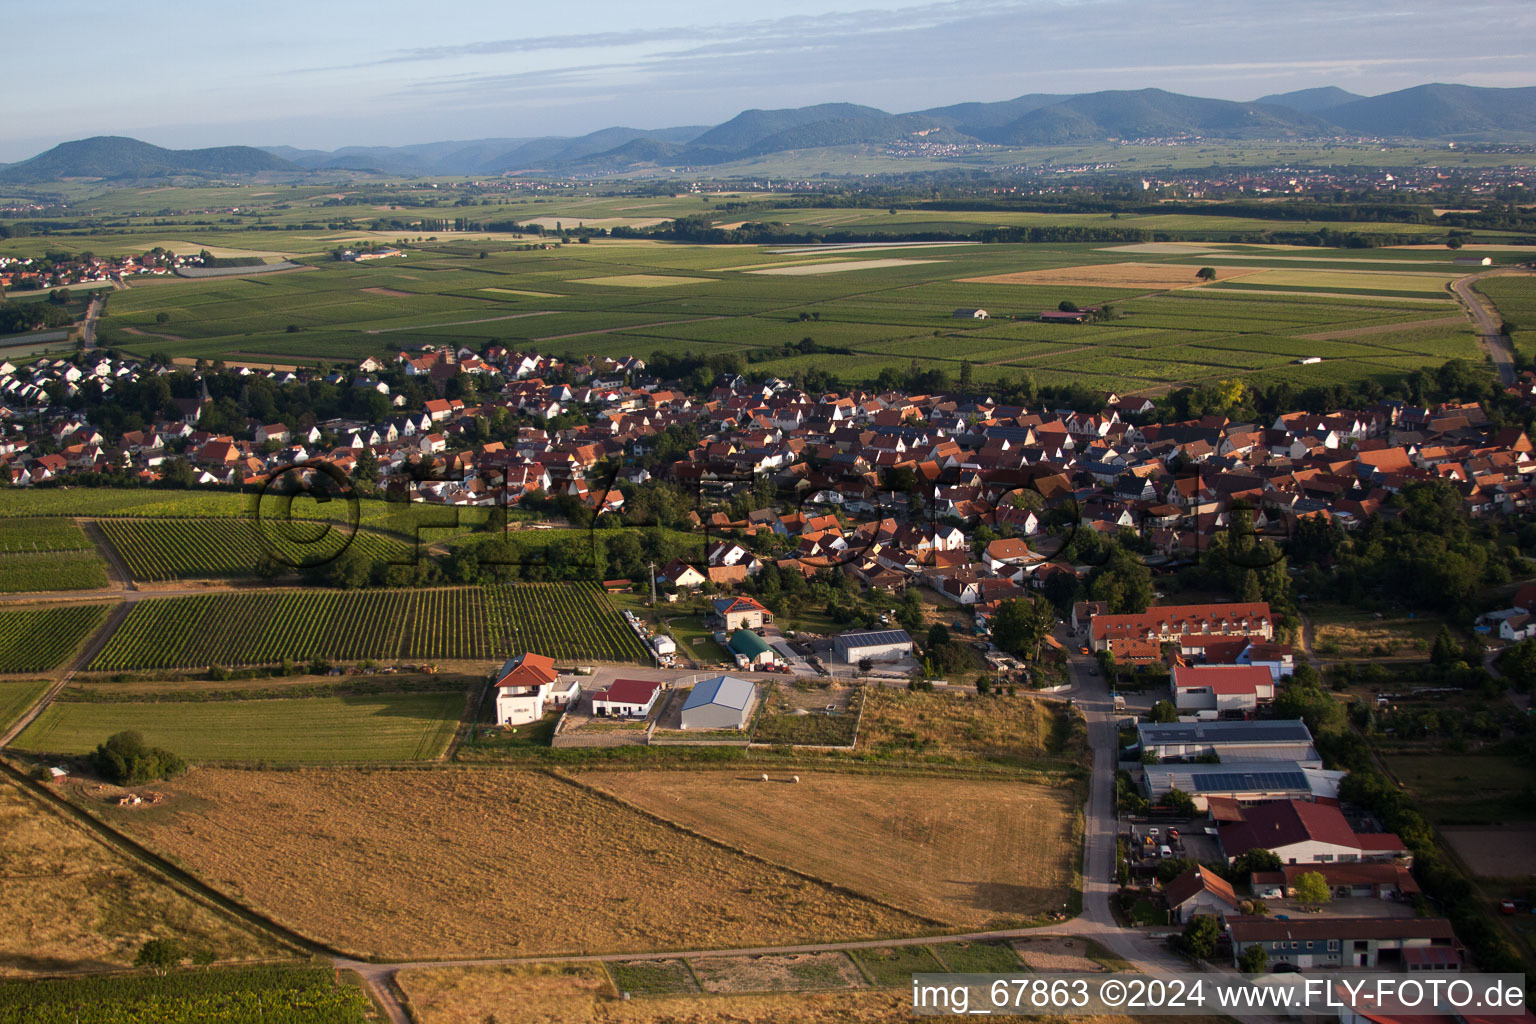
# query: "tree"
1164,712
1020,626
1067,306
1445,648
1206,274
1179,802
938,635
126,760
160,955
1256,859
1253,959
1201,936
1312,890
1454,242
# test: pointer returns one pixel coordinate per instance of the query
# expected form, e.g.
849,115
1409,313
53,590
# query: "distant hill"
1311,101
1152,113
977,118
108,156
751,127
1440,112
1426,112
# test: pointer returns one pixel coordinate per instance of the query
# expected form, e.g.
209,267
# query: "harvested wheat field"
69,903
907,840
483,862
582,993
1118,275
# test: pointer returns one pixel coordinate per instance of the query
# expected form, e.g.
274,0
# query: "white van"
1165,852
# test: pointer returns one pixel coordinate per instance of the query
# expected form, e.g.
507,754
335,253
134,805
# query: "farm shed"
969,314
625,698
876,645
1473,261
751,650
724,702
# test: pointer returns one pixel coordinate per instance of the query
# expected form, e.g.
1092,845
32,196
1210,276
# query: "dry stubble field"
69,903
484,862
911,841
580,993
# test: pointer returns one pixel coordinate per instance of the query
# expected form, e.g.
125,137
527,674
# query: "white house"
1226,689
625,698
525,684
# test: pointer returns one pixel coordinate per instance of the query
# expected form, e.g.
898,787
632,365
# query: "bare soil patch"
482,862
1496,852
1119,275
1057,954
393,293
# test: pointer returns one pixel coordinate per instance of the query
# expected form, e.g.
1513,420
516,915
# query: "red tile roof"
1287,822
1225,679
628,691
530,670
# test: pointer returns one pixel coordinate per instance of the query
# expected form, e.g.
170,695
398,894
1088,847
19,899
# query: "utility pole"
652,567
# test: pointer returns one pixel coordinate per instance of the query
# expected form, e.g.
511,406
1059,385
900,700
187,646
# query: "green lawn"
893,966
390,727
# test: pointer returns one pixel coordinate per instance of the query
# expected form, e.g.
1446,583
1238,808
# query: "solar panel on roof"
875,638
1231,782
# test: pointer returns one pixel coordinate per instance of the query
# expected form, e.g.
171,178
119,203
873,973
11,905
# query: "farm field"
275,994
406,864
38,639
30,536
173,549
52,571
1508,852
69,903
16,696
566,621
382,727
48,554
583,993
905,840
1465,789
617,296
908,725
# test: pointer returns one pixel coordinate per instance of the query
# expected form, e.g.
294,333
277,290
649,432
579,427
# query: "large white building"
876,645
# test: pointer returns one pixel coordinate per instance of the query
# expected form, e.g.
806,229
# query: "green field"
570,622
39,639
16,696
55,570
376,727
271,994
172,549
579,301
28,536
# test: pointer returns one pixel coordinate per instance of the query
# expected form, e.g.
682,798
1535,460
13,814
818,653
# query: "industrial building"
724,702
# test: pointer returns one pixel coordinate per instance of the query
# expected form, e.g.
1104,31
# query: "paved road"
1489,322
92,314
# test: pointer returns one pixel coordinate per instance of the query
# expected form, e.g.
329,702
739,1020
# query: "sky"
387,72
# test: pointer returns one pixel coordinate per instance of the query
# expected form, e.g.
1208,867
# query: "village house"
525,684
